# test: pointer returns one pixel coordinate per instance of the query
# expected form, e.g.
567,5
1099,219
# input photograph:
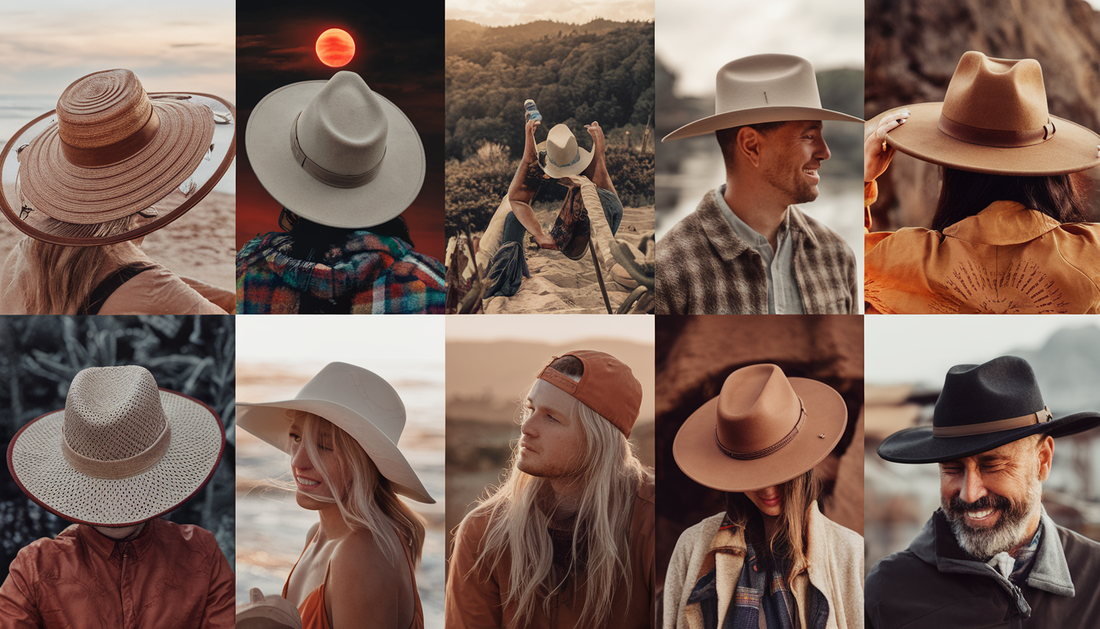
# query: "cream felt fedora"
560,156
762,88
114,151
361,403
120,452
994,120
336,152
763,429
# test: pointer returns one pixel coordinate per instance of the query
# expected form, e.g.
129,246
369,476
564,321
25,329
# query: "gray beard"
1008,533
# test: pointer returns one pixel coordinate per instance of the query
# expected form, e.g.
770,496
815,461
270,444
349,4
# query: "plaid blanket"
367,274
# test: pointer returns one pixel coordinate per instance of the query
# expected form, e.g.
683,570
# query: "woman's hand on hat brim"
876,152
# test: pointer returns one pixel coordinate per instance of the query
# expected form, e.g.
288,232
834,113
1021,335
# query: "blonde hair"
518,527
60,278
369,501
787,544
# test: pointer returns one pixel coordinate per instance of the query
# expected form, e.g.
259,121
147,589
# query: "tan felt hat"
120,452
762,88
361,403
336,152
114,151
763,429
994,120
607,386
560,156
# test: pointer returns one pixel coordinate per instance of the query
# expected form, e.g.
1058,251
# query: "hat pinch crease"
325,176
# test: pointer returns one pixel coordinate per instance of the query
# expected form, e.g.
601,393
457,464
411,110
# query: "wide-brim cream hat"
121,452
114,151
359,402
759,89
336,152
560,155
994,120
763,429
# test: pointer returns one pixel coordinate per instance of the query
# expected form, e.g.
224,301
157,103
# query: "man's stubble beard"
1009,531
792,183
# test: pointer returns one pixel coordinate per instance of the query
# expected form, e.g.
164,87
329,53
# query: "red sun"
335,48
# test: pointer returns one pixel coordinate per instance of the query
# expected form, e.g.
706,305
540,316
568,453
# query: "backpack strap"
112,283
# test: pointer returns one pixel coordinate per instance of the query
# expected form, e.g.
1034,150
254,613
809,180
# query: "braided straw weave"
120,452
113,151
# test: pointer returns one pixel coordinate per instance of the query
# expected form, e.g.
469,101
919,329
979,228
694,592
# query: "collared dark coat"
704,268
934,584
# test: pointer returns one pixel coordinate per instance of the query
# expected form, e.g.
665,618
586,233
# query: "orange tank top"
312,609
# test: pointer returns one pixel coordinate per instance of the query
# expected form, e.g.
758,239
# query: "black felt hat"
983,407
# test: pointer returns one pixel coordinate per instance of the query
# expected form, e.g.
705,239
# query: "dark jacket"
935,584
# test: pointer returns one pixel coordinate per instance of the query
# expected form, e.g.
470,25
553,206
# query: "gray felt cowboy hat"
762,88
336,152
359,402
982,407
121,452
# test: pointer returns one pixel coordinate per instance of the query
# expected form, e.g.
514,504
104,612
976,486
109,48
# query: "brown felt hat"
607,386
994,120
114,151
763,429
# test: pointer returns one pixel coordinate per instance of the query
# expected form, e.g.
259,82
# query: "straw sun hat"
336,152
360,403
120,452
114,151
763,429
994,120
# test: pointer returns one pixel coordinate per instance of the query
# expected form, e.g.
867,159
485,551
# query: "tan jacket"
1005,259
835,568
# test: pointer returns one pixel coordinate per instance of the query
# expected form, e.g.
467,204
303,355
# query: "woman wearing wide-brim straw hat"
1009,233
772,551
117,164
341,432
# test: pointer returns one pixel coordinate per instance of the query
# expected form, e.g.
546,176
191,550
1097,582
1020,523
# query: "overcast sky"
170,44
696,37
508,12
921,348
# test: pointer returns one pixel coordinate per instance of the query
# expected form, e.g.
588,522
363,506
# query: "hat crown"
766,81
999,94
102,109
113,413
561,147
1002,388
364,392
757,409
343,128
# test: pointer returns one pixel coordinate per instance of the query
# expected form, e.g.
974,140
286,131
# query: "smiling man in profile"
567,539
746,249
990,556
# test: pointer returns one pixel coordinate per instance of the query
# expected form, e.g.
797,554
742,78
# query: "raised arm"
597,170
520,195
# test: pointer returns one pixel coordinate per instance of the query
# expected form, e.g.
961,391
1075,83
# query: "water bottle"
531,112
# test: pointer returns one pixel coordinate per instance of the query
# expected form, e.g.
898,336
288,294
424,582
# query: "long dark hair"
311,239
964,194
786,548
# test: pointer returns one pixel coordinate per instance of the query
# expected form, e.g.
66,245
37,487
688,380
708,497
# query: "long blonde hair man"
567,539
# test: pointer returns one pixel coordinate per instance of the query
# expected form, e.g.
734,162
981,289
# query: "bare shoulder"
312,532
363,583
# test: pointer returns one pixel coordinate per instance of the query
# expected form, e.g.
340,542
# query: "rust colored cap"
607,386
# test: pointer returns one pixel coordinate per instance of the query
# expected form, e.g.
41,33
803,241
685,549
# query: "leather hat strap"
763,452
984,428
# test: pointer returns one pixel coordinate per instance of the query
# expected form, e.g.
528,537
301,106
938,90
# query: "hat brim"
568,171
80,196
917,445
38,466
697,453
757,115
399,179
1071,149
269,422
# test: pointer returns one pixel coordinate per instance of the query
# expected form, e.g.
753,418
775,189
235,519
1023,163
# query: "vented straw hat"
121,452
113,152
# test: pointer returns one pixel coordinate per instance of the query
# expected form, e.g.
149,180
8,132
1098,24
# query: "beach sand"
199,244
560,285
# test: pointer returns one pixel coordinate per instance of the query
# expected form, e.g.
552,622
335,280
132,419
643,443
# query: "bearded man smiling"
990,556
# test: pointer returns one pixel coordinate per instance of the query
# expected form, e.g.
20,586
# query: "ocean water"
272,528
18,110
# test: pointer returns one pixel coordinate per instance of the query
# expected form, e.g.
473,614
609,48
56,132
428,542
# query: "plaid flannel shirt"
704,268
370,274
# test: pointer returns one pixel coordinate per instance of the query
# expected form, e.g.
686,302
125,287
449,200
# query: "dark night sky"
398,52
